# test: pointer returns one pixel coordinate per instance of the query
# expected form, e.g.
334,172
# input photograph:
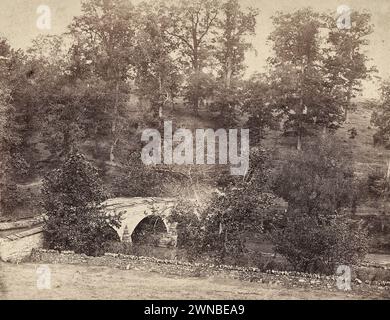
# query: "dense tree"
217,226
257,105
346,61
199,86
7,141
320,246
75,217
315,233
57,101
381,116
103,42
235,27
319,182
303,91
192,25
157,71
72,92
12,162
190,227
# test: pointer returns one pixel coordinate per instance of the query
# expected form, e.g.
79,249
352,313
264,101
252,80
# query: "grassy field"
366,157
92,282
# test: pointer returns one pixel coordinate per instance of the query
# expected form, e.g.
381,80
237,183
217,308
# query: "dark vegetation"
73,107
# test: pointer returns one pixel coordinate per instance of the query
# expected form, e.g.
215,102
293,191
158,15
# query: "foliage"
191,25
241,208
75,217
315,233
12,164
345,59
236,26
307,72
381,116
140,180
231,217
158,77
73,91
317,245
190,229
262,114
228,103
218,226
200,86
377,184
320,182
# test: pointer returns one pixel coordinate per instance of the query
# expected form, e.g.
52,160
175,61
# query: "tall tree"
103,43
49,98
7,140
346,61
157,70
12,163
303,90
192,24
235,26
261,113
381,115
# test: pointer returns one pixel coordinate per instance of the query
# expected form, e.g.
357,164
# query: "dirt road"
91,282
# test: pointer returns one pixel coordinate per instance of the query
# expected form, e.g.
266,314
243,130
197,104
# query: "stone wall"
17,247
174,267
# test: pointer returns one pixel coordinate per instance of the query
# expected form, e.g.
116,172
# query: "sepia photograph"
204,151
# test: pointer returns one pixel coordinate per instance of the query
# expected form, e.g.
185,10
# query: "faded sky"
18,25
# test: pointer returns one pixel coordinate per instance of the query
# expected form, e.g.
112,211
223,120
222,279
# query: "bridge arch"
135,211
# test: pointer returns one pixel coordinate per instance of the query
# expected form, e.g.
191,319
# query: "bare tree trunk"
97,150
229,71
299,141
196,106
348,106
302,107
114,124
160,107
197,70
346,114
387,176
112,149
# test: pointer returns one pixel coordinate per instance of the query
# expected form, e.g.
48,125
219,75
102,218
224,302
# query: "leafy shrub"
381,139
381,117
218,228
190,230
72,200
377,184
320,245
229,218
140,180
9,199
318,181
315,233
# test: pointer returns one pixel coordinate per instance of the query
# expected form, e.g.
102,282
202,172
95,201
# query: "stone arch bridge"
136,210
